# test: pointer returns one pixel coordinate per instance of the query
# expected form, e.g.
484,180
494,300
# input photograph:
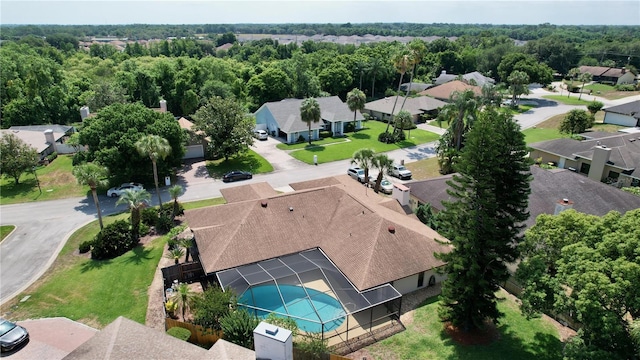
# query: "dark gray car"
11,335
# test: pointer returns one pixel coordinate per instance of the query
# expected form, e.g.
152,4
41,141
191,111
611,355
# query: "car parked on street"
385,185
400,172
11,335
260,135
356,173
236,175
118,190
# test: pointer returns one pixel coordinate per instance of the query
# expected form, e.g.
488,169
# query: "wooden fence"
199,335
186,272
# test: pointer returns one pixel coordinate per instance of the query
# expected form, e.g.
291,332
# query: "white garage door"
194,151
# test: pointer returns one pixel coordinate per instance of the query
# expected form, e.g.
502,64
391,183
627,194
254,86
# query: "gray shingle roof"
287,113
414,105
625,149
347,222
547,187
631,109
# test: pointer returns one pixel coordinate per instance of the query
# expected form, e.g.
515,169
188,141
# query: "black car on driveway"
236,175
11,335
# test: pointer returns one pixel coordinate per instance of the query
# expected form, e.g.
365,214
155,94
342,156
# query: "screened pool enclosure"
308,288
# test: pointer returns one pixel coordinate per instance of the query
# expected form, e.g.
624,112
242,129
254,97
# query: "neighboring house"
225,47
197,142
330,235
416,106
46,139
624,114
124,339
548,190
472,78
282,118
415,87
610,157
604,74
443,92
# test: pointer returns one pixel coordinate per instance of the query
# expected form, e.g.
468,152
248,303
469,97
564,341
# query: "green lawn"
91,291
533,135
56,182
573,100
5,230
302,145
425,338
249,161
366,138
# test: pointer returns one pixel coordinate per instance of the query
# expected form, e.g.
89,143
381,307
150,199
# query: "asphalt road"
44,227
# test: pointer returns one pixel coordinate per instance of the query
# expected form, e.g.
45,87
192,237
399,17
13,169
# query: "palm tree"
383,163
461,112
310,111
93,175
183,297
417,51
402,62
375,66
136,201
573,74
356,100
175,254
175,191
518,81
363,158
155,147
584,78
403,119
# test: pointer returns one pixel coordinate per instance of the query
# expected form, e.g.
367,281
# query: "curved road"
44,227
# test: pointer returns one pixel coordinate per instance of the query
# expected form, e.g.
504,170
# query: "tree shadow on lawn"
93,264
245,163
314,148
27,187
508,346
360,136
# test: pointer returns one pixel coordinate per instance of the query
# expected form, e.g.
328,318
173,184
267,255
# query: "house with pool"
331,254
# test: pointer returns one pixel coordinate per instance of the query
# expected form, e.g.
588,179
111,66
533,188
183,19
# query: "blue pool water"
297,304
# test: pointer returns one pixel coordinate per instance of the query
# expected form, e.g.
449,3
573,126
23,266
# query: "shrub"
325,134
237,327
168,208
625,87
283,322
301,139
313,346
79,158
386,138
180,333
144,229
595,106
52,156
164,223
149,216
84,247
112,241
211,306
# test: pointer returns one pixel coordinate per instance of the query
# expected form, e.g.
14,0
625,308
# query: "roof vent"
264,203
290,208
565,200
392,229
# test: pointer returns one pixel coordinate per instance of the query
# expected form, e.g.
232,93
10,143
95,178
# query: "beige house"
609,75
417,106
443,92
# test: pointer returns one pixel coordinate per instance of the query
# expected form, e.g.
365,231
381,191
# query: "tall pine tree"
484,222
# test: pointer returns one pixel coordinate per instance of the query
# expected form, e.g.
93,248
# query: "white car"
260,135
118,190
385,185
400,172
356,173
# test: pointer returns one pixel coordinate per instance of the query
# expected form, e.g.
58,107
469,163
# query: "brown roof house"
604,74
443,92
282,118
197,141
549,188
610,157
46,139
472,78
627,114
417,106
332,254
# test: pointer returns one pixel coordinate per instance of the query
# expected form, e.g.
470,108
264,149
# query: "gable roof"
630,109
414,105
415,86
444,91
349,225
603,71
248,192
625,149
477,77
287,113
34,135
547,187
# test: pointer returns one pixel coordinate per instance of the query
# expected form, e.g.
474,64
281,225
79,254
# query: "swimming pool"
329,310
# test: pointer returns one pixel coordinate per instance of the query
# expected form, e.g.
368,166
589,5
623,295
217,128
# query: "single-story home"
330,237
46,139
282,118
416,106
197,141
415,86
602,156
549,188
443,92
472,78
605,74
627,114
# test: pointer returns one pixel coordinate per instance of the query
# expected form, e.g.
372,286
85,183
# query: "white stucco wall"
410,283
619,119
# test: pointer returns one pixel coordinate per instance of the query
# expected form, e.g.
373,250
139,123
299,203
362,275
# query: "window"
421,279
614,175
584,168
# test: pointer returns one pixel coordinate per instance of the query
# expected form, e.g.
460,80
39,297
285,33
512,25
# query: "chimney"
272,342
444,72
84,112
163,106
401,193
48,136
624,70
562,205
598,161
